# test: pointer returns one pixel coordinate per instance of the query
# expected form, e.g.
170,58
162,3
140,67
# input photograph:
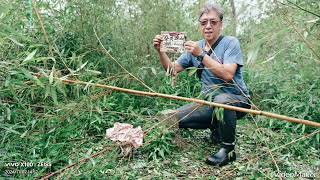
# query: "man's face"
210,25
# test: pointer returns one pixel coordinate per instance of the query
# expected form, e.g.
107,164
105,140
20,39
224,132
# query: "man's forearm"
218,69
164,60
170,67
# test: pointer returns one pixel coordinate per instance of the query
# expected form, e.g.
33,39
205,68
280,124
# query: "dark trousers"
202,117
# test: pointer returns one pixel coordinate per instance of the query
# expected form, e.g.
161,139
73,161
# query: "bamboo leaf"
58,84
153,71
86,88
33,123
48,141
8,113
30,56
51,130
219,113
29,76
47,92
303,128
11,130
192,71
89,152
81,67
254,52
93,72
16,42
54,95
93,162
24,134
51,76
161,153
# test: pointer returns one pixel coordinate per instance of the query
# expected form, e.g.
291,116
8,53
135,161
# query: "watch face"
203,53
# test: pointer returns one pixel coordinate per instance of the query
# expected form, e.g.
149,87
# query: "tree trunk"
234,17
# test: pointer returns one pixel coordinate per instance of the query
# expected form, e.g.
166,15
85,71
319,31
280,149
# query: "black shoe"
222,157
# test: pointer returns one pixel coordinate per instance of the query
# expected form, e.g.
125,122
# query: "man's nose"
208,26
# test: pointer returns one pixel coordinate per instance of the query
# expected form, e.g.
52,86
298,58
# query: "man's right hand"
156,42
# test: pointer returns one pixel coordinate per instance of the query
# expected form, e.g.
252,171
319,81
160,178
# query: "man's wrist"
160,52
201,56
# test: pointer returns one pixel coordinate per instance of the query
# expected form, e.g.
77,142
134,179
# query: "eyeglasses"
211,22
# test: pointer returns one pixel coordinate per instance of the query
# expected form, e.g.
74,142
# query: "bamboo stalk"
202,102
42,27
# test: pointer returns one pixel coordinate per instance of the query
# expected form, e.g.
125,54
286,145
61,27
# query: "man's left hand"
193,48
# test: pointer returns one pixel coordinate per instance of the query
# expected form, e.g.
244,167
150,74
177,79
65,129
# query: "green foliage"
283,68
45,120
218,112
160,148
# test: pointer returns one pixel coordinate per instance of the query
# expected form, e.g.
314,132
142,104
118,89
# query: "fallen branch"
199,101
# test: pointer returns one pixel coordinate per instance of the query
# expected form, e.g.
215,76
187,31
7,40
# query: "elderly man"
219,62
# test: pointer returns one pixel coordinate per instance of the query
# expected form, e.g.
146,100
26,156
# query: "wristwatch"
201,56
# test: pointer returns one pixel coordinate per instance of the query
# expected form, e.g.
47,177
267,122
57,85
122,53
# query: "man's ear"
221,28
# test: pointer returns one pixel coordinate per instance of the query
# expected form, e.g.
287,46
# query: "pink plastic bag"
125,134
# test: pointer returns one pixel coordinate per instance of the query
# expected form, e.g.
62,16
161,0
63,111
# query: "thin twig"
296,5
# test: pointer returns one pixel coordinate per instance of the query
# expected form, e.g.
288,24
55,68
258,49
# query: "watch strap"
201,56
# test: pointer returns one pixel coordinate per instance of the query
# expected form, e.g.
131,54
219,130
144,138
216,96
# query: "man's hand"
156,42
193,48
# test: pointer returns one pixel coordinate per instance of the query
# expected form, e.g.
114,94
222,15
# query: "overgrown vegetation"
51,124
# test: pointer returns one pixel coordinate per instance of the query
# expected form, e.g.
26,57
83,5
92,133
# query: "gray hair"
212,7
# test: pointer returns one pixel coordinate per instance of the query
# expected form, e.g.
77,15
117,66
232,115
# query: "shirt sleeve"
233,53
185,60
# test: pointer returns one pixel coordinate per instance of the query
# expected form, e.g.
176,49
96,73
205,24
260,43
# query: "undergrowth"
51,124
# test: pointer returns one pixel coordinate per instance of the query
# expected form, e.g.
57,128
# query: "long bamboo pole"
229,107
